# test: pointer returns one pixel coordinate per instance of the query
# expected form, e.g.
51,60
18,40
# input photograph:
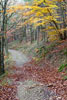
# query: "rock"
59,98
55,98
65,83
50,85
32,90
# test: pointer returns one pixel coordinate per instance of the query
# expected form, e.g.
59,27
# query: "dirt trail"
18,57
29,89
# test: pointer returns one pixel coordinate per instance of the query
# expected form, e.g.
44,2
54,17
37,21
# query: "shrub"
62,67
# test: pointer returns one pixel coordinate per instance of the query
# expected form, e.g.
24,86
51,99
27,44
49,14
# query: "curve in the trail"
18,57
29,89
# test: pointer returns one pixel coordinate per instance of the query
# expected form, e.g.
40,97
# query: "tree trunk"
38,35
2,56
0,51
6,47
2,70
35,34
31,32
6,42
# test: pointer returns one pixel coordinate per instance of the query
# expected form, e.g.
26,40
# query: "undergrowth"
63,67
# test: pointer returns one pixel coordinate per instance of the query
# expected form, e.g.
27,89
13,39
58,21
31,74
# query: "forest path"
18,57
28,89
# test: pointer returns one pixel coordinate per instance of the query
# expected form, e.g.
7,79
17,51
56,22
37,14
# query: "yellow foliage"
41,13
36,59
36,50
63,29
5,57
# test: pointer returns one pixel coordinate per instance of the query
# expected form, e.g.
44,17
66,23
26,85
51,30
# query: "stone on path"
31,90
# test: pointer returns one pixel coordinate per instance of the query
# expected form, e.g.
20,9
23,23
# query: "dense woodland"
30,21
39,20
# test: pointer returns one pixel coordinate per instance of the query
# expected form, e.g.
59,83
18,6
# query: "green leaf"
65,77
62,67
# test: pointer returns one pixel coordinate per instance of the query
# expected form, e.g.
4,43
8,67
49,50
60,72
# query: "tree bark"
2,69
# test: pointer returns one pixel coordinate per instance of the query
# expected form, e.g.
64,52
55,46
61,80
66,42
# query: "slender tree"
2,39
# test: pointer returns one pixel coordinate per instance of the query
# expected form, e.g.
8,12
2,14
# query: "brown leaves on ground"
8,92
60,47
43,73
